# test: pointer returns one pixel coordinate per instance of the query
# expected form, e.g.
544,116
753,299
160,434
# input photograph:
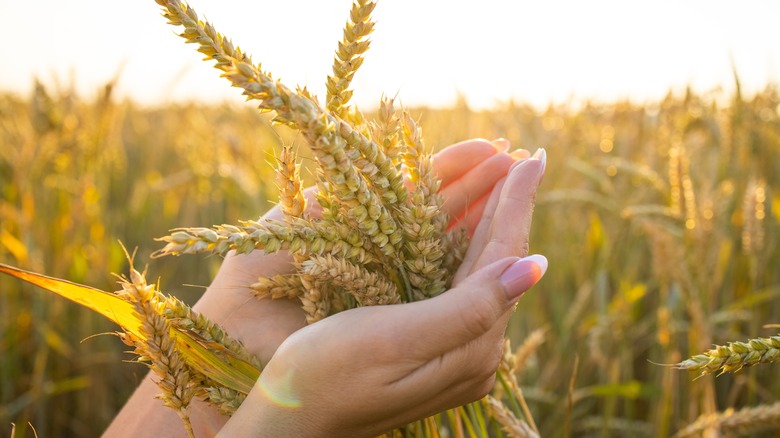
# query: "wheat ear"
158,347
513,426
183,317
745,421
368,288
423,221
278,287
288,181
297,235
529,346
734,356
349,56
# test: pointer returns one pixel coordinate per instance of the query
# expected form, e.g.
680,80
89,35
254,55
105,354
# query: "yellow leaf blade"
104,303
234,373
237,374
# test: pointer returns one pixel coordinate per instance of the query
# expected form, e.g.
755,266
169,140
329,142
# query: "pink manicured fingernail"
522,274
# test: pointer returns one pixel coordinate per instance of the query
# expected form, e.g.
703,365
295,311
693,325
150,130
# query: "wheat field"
659,220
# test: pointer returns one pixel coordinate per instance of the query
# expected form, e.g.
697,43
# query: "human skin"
470,171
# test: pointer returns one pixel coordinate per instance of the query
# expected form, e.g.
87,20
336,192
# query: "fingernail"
522,274
501,144
520,154
541,155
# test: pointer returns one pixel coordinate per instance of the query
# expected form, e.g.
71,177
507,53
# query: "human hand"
468,170
367,370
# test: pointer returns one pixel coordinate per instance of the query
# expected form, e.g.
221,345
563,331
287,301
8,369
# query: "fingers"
467,190
506,220
470,219
511,224
452,162
471,309
463,328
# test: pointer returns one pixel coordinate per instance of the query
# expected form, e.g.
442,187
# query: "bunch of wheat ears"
377,241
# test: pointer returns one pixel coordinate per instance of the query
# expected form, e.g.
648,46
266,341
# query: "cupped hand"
468,170
367,370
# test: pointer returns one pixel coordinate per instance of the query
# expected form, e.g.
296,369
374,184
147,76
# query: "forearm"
225,302
144,415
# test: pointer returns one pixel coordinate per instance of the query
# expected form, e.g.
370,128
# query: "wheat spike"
529,346
513,426
349,56
278,286
288,181
375,162
423,221
368,288
387,127
296,235
734,356
225,399
743,422
183,317
158,348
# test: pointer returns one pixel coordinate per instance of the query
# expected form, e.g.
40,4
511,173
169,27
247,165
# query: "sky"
426,52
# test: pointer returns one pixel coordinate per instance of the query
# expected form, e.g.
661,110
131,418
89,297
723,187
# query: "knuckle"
524,248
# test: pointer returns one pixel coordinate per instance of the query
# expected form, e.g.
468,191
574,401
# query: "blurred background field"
660,221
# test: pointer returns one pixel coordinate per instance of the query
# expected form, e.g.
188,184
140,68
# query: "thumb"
480,302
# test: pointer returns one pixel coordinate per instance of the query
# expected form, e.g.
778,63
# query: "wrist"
261,416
